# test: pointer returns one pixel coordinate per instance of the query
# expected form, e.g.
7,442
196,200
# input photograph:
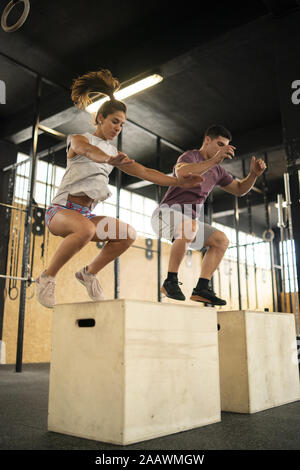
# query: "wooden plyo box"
142,371
258,360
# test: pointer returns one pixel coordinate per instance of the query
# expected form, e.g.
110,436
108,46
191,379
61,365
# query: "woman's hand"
189,180
119,159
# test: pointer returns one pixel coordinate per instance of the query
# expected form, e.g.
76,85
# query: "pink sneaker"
45,286
91,283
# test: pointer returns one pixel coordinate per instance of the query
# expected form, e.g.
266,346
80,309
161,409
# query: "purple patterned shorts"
51,211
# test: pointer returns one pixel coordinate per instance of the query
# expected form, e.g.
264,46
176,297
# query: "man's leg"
184,234
217,245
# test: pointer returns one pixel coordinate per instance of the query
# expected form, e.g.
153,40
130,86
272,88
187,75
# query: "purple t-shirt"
197,195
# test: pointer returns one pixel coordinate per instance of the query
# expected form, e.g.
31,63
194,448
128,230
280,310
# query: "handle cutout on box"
86,323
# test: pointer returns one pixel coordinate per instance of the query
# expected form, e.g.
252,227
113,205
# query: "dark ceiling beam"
169,67
281,7
52,132
51,122
258,140
32,72
190,32
55,110
238,36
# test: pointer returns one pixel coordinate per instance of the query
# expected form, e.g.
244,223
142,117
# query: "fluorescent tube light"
142,184
127,91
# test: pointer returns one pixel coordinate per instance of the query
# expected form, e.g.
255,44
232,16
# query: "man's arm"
183,168
242,187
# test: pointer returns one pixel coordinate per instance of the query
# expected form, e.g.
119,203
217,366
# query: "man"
177,217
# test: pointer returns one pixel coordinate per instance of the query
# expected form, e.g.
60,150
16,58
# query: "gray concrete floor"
23,423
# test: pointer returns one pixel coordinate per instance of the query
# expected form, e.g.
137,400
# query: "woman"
90,159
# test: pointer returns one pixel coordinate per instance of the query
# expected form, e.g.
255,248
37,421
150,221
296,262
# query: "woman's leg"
76,231
119,237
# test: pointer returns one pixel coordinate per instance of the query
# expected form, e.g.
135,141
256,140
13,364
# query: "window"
48,179
287,256
253,249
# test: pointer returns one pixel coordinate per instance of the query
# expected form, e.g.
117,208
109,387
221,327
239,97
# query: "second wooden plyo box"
258,360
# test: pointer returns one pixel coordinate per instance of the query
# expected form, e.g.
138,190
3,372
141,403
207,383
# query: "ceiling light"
127,91
142,184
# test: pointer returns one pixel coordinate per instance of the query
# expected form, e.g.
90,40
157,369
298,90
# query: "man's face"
212,146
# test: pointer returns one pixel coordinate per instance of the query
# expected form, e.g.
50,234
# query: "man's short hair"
216,130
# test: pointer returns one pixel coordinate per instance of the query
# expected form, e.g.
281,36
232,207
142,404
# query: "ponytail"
91,86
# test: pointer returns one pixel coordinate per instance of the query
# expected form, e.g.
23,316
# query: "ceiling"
218,61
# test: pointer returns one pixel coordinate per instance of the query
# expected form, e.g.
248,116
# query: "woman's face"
111,126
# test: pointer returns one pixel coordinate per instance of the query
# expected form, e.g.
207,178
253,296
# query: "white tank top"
84,176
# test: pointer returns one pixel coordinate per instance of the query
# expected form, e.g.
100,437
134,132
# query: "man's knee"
218,240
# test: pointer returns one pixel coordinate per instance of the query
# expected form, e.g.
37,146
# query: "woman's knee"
111,229
86,233
89,232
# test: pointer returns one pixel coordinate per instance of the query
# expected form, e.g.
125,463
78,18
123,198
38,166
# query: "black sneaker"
207,296
171,289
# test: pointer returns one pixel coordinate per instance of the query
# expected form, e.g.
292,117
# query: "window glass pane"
98,210
44,172
287,251
59,173
113,198
23,169
149,206
138,222
148,227
53,191
49,195
137,203
242,238
109,210
125,199
21,188
40,192
21,157
267,256
125,216
230,232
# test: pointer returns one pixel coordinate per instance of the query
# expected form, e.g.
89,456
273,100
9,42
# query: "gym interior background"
233,64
